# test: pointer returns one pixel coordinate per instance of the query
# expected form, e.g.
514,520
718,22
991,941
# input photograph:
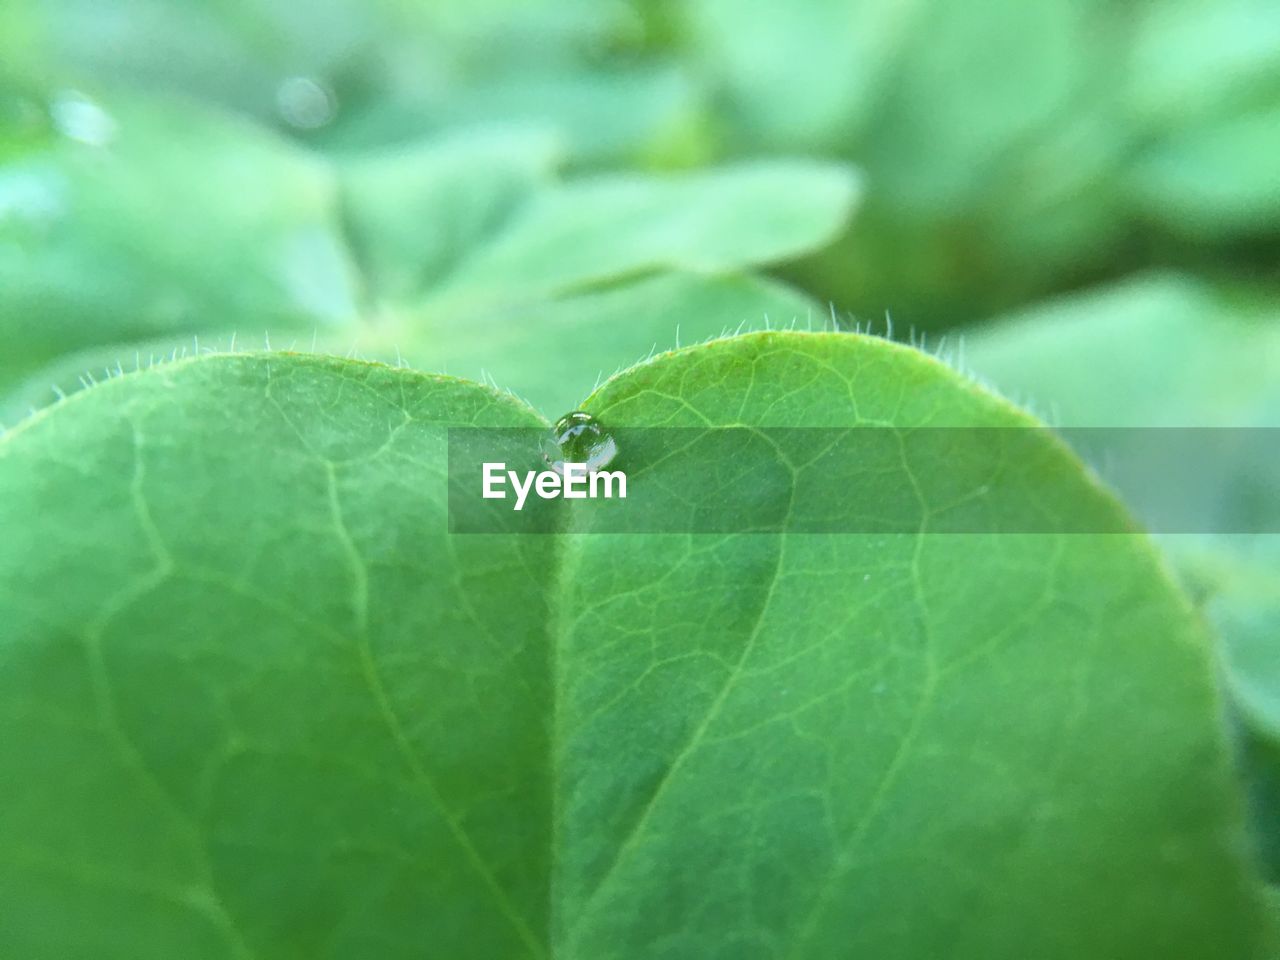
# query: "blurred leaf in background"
590,275
989,132
1156,350
344,73
150,217
1011,148
136,224
1205,88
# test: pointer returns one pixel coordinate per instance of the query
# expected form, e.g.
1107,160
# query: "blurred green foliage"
1012,149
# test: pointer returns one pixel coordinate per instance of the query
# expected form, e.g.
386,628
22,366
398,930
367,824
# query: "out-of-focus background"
1011,150
1081,196
170,167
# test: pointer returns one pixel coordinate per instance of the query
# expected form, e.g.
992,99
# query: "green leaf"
552,353
472,262
1169,352
600,230
372,73
1193,60
414,213
1273,901
798,73
229,737
645,115
988,131
232,53
156,219
1238,581
24,124
261,705
1239,578
1214,180
1205,80
1112,357
1260,760
772,672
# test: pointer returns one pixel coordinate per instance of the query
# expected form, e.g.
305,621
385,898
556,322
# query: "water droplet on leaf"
306,103
79,118
579,437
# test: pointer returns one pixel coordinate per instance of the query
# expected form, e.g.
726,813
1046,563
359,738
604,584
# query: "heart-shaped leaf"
255,701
